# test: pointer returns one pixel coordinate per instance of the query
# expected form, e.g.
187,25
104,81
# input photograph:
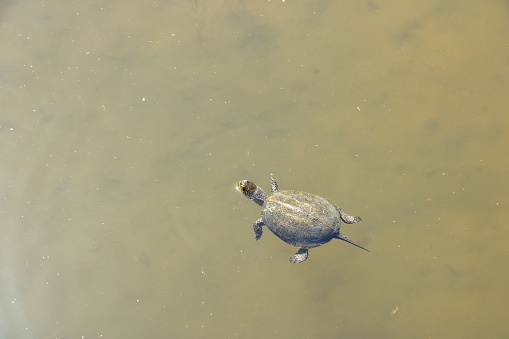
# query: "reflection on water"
125,126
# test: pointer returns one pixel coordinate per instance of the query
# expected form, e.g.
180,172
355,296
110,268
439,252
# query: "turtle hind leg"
349,219
300,256
257,226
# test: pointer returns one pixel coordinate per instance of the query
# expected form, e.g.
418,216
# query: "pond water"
125,126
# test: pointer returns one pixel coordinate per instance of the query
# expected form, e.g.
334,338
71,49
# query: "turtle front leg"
300,256
257,226
349,219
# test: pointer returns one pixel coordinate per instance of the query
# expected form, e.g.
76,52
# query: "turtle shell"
301,219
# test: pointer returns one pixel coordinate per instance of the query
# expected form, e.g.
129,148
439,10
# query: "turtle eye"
240,186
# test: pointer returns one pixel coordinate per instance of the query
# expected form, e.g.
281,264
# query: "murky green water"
125,125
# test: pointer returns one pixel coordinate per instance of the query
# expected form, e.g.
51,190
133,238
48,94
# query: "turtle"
301,219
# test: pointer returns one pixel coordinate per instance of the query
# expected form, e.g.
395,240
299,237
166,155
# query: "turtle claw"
300,256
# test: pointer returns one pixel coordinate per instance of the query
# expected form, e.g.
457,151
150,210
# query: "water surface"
125,125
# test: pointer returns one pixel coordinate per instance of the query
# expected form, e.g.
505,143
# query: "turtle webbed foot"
300,256
257,226
349,219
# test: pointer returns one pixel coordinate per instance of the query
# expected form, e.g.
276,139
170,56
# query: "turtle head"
251,191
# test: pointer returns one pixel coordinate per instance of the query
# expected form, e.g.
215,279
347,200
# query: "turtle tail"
342,237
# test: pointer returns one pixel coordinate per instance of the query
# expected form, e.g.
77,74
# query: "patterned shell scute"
301,219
